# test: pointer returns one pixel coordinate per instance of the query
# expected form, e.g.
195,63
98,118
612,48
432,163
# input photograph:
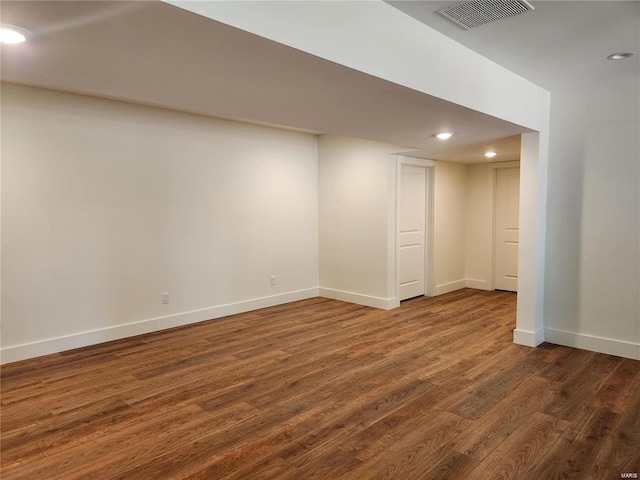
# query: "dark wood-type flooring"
320,389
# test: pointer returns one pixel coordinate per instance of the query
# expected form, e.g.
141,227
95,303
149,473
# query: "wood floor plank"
574,459
514,457
583,383
434,389
447,464
147,450
496,425
412,454
617,390
63,464
58,430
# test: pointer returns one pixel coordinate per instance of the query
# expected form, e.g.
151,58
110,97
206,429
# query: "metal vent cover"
478,12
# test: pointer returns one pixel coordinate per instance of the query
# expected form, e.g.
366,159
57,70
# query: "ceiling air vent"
478,12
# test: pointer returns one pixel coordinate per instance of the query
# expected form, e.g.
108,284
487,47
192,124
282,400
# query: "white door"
412,221
506,233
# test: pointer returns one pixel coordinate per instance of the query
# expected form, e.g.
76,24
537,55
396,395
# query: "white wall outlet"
272,280
165,298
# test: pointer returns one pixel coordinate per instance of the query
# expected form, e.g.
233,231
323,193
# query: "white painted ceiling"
155,54
506,149
556,45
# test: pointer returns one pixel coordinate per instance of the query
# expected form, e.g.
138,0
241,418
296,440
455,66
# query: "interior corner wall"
357,220
107,205
366,38
592,280
450,227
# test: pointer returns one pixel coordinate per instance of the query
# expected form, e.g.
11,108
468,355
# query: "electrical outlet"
165,298
272,280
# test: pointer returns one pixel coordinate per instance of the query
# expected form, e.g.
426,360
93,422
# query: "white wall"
107,205
479,227
357,185
357,220
592,280
450,227
590,274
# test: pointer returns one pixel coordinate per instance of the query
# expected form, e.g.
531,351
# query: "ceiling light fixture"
490,154
12,35
443,135
622,55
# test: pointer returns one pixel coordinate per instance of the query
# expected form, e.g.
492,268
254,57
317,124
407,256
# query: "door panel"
512,260
506,229
411,221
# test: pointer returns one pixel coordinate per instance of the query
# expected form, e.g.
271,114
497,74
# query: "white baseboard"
592,343
477,284
449,287
359,299
528,338
77,340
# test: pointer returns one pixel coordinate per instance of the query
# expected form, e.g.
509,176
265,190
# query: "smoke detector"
478,12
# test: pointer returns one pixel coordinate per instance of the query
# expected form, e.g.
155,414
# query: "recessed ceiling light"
622,55
11,35
443,135
490,154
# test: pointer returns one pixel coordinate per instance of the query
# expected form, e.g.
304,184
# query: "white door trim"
429,166
493,172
